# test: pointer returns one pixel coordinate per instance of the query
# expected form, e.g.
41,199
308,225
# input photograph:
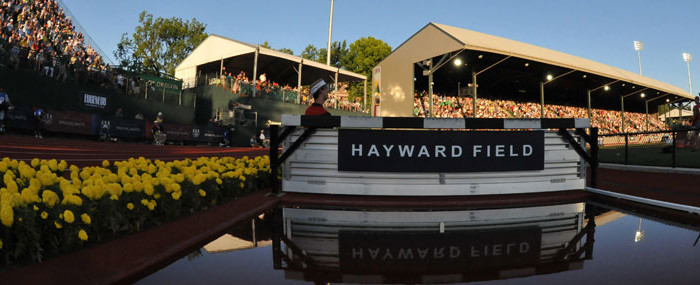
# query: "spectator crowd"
608,121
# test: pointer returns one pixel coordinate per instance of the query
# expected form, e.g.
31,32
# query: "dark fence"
669,148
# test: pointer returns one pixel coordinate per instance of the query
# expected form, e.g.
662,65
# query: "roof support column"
588,94
474,94
646,105
622,113
430,86
541,99
364,102
646,113
335,80
255,69
301,63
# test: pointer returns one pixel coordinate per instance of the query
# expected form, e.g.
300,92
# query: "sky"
601,31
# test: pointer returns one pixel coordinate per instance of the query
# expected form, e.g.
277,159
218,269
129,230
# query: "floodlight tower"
330,31
688,58
639,46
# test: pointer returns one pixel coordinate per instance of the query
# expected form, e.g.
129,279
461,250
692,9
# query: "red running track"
83,152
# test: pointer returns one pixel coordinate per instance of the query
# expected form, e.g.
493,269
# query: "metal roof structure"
495,67
217,53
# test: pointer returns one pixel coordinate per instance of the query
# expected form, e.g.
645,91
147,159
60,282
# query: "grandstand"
473,74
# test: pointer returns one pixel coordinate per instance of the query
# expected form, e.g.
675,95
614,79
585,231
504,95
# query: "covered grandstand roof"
278,66
509,69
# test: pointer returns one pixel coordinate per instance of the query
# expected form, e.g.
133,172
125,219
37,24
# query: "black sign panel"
207,133
125,128
381,251
431,151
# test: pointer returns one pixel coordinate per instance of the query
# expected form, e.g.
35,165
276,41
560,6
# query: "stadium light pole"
639,46
330,31
475,85
688,58
550,79
605,87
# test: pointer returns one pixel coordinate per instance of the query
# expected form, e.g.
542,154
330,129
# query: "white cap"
317,86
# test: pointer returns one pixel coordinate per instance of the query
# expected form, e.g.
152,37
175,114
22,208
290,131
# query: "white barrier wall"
313,168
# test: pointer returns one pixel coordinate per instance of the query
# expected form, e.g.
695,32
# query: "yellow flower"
68,216
148,189
35,208
202,193
114,197
44,215
176,195
176,187
7,215
82,235
157,196
130,206
219,181
105,163
128,187
241,184
35,162
85,218
58,225
49,198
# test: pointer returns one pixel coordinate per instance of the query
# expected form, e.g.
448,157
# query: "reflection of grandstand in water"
432,246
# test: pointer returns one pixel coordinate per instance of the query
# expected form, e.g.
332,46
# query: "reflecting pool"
570,243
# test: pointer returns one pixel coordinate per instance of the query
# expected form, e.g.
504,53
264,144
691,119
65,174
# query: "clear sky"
598,30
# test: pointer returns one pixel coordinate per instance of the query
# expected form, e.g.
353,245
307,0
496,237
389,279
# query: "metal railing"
668,148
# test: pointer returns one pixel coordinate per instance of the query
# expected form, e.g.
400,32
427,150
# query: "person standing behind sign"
4,109
319,91
38,119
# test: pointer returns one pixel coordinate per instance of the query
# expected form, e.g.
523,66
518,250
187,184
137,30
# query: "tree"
364,54
286,50
158,45
266,45
310,53
339,54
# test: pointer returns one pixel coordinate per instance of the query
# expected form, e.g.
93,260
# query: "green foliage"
310,52
158,45
364,54
286,50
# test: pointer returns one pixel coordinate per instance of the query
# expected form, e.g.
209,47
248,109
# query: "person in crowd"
38,120
5,106
119,114
264,141
158,131
319,91
253,141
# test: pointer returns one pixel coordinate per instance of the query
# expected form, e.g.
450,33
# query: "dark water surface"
553,244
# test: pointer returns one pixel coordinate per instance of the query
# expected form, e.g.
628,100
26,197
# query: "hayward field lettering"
438,151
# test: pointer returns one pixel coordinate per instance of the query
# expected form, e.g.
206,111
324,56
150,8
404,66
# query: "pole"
622,113
541,99
690,82
458,85
255,68
301,63
335,92
646,111
364,103
474,94
430,86
639,59
588,93
594,156
330,31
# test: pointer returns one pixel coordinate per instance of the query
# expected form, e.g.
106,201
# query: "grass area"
650,154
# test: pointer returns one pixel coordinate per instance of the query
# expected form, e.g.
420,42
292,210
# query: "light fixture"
667,100
527,64
634,87
638,45
481,56
657,92
458,62
623,84
584,76
643,95
549,77
606,87
687,57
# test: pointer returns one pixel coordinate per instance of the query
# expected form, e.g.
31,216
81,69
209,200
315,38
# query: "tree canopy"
158,45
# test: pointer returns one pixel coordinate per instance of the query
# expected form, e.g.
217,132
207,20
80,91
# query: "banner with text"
381,251
448,151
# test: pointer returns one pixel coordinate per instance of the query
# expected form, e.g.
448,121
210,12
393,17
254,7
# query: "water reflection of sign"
429,151
380,252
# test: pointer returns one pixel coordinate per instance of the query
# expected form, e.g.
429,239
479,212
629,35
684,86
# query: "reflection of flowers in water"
639,234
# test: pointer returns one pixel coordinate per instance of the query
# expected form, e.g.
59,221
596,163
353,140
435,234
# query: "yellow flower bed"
42,212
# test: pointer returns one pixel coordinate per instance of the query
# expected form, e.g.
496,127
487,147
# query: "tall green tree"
286,50
339,54
363,55
158,45
310,53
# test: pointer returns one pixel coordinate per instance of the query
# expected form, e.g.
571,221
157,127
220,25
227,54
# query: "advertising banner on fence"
431,151
174,132
92,101
207,133
70,122
121,128
21,117
381,251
